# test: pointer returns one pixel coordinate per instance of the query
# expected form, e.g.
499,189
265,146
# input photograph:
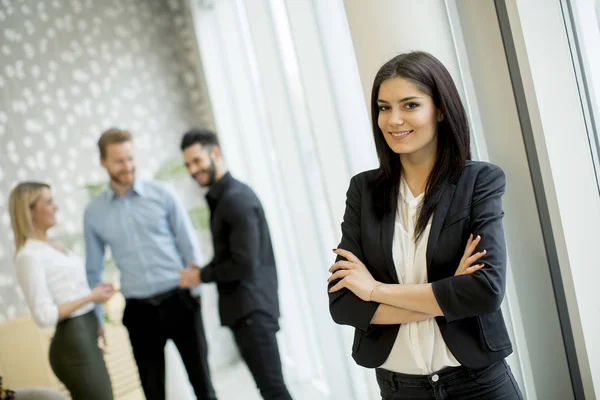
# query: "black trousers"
77,360
494,382
256,340
175,315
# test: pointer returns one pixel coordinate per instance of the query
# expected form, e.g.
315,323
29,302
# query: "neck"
220,173
40,233
120,189
416,170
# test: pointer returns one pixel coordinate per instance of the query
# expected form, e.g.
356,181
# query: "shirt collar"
218,188
137,188
407,196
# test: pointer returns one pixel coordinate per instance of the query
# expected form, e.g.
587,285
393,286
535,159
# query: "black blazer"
244,264
472,326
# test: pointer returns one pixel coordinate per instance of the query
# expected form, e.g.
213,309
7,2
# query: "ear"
216,152
440,117
103,162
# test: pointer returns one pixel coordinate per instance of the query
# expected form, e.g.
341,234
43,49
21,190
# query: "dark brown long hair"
453,150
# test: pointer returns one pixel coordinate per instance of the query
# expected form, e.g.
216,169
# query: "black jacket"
244,264
472,326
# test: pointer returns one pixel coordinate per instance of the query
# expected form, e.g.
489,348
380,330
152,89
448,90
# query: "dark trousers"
150,322
256,340
77,360
494,382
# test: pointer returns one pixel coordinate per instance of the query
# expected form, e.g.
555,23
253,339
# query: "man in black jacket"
243,266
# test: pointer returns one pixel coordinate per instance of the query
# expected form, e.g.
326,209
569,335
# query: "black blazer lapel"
439,215
387,238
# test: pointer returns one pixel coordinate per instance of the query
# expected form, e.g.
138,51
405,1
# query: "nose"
397,118
192,169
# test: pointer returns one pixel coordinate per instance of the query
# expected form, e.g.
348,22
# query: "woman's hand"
353,274
102,292
466,262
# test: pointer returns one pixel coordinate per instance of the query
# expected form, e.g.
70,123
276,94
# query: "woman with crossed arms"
421,268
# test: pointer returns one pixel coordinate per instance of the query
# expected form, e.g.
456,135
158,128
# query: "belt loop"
470,373
392,381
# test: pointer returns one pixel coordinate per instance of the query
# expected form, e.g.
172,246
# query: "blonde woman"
55,286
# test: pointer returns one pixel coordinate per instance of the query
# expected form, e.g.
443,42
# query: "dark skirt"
77,361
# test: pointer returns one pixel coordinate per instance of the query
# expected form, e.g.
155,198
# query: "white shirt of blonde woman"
48,278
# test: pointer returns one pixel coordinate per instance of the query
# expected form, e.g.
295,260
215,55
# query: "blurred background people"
243,266
151,238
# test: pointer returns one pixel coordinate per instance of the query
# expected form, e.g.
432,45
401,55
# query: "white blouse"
419,348
49,278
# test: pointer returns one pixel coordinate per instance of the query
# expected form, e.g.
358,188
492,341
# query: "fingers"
476,257
183,283
470,248
342,265
338,275
472,269
340,285
347,255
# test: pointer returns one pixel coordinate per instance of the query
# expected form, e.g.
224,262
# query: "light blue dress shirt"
149,234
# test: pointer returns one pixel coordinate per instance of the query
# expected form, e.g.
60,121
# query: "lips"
400,134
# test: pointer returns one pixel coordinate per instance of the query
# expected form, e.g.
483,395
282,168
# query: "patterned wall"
70,69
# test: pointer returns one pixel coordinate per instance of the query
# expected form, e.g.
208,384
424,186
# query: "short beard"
116,179
212,174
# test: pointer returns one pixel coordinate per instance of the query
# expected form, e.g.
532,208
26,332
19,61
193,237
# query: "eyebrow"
401,100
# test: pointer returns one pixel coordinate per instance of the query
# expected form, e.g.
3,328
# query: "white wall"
383,29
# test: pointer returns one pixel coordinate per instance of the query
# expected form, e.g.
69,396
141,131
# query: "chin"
401,149
127,181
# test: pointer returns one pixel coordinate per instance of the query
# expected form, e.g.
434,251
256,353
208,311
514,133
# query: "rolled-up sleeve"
483,291
345,307
32,279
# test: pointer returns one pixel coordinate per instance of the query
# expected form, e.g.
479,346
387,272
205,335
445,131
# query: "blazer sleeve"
483,291
345,307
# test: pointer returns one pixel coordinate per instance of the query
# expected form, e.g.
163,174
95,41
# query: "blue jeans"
494,382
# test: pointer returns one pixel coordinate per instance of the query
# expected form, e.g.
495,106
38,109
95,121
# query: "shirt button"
435,378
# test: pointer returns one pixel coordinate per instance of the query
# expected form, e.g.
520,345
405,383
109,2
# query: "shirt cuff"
207,274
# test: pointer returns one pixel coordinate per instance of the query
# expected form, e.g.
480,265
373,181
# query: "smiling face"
200,163
43,212
408,118
119,163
